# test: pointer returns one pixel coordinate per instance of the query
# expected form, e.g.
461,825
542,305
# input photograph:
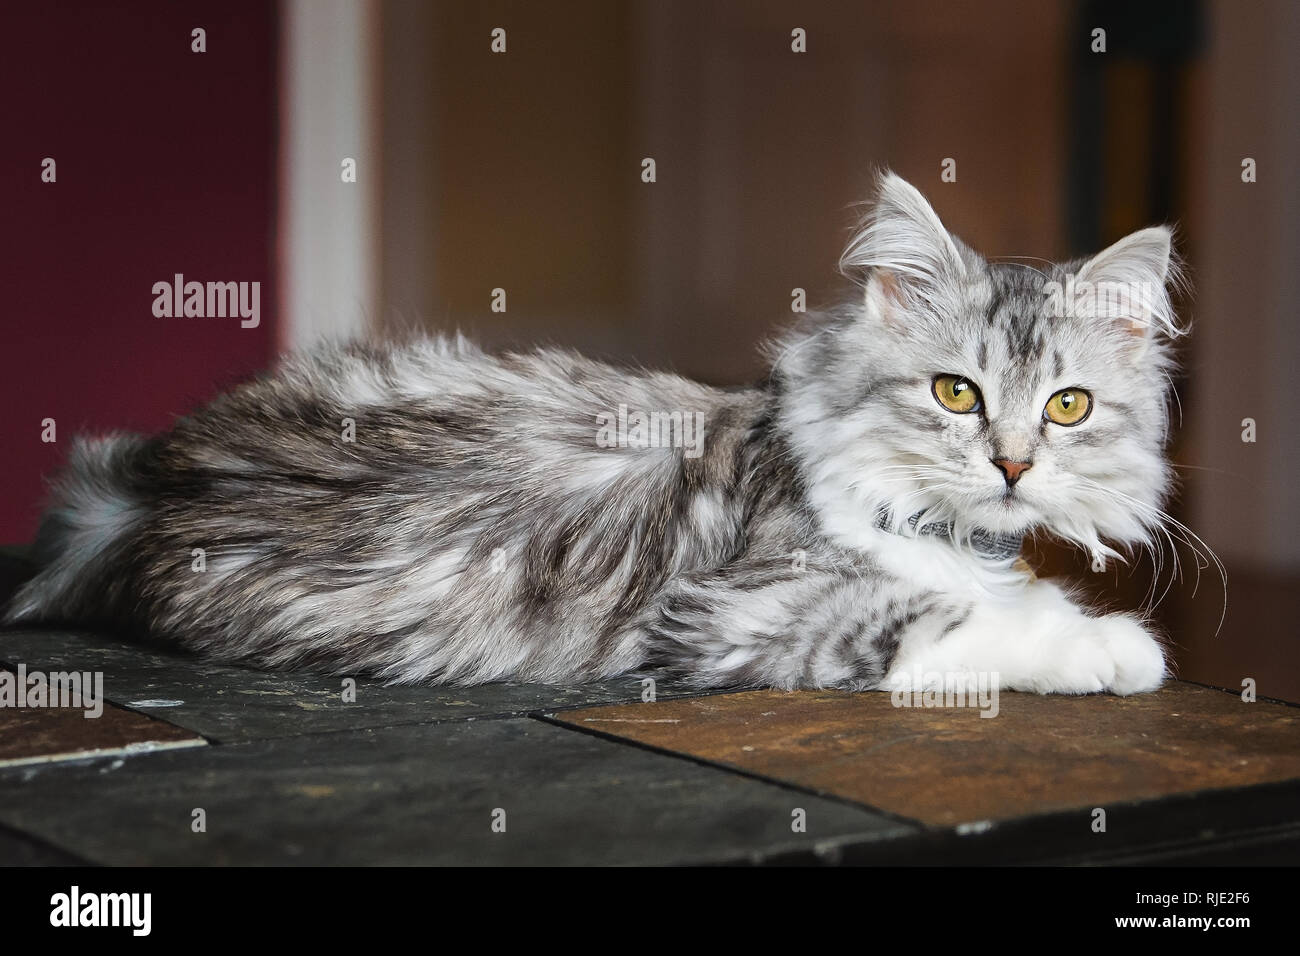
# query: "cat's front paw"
1112,654
1046,646
1138,659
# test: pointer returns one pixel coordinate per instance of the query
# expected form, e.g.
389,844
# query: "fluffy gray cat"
431,512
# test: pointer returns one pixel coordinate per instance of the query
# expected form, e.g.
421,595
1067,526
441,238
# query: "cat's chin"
1006,516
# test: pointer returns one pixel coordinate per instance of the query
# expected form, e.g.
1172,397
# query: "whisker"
1171,527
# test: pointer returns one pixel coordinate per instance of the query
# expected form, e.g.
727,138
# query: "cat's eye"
1069,406
957,394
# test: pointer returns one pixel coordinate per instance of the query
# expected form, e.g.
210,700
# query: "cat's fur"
476,530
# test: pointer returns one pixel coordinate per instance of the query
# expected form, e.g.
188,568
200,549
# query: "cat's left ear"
1127,285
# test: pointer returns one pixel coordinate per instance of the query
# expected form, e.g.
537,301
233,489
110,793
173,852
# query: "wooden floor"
285,769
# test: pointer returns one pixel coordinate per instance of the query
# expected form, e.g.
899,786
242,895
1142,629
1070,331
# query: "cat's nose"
1012,470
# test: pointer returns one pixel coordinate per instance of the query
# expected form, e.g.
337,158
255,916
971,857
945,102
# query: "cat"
430,512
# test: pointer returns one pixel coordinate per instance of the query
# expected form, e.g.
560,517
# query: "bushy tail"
95,503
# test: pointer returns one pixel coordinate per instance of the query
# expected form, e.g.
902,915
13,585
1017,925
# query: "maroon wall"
165,164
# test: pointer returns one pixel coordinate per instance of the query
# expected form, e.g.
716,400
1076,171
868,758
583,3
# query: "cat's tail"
95,503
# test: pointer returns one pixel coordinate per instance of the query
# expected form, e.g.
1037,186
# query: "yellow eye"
957,394
1069,406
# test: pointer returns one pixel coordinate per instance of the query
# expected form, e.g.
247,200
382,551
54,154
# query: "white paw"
1112,654
1139,661
1080,665
1047,647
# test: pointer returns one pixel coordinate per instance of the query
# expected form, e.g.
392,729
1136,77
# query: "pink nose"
1012,470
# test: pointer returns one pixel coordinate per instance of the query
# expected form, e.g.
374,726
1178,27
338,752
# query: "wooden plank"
948,766
38,735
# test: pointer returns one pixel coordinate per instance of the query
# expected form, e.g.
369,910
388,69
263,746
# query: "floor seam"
893,817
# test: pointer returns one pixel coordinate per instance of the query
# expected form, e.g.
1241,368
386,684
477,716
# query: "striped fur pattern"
429,512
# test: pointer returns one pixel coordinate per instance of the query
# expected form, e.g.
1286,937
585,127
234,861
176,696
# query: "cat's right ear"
902,254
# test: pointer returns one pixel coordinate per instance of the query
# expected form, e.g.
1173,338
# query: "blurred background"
211,139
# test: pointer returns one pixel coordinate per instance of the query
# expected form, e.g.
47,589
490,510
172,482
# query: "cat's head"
1003,396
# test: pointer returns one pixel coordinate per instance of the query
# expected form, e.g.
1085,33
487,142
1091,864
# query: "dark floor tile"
231,704
423,794
17,849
